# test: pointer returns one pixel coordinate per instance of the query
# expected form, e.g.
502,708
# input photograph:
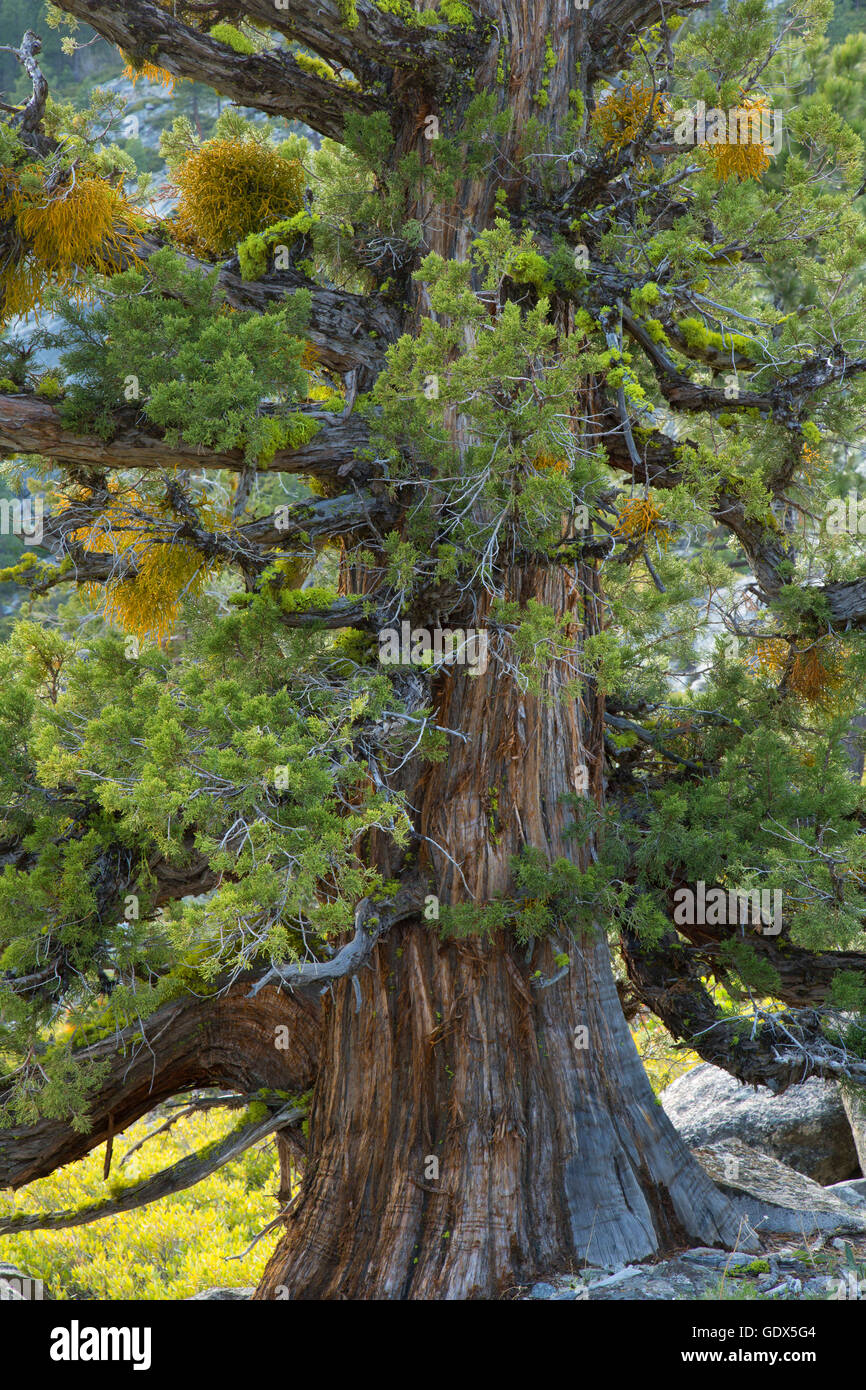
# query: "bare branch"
185,1173
372,920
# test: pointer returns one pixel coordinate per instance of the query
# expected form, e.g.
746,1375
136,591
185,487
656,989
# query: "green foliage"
205,385
173,1248
549,898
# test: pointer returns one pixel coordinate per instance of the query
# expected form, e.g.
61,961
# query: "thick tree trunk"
470,1130
548,1154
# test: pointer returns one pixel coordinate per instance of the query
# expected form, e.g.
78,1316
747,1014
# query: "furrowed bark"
29,425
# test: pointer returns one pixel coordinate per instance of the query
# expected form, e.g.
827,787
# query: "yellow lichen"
230,188
811,461
152,73
550,463
624,113
86,226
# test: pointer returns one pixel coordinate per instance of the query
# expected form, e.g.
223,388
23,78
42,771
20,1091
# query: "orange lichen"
86,226
624,114
814,670
640,519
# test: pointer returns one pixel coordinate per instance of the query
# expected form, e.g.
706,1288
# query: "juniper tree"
501,353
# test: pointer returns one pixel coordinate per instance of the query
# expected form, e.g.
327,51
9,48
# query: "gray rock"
855,1108
775,1198
853,1192
717,1259
227,1295
543,1291
819,1286
806,1127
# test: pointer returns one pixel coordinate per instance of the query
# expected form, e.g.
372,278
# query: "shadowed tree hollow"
439,632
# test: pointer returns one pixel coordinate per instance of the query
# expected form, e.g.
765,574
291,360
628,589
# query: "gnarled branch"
227,1039
272,82
372,920
29,425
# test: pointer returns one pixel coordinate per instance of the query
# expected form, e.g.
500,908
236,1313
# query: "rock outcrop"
806,1127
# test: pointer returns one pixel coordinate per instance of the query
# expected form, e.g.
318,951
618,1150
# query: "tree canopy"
479,324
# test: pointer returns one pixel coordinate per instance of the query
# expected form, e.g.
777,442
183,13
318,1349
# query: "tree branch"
29,425
372,920
378,40
348,331
774,1051
185,1173
247,546
227,1039
271,82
